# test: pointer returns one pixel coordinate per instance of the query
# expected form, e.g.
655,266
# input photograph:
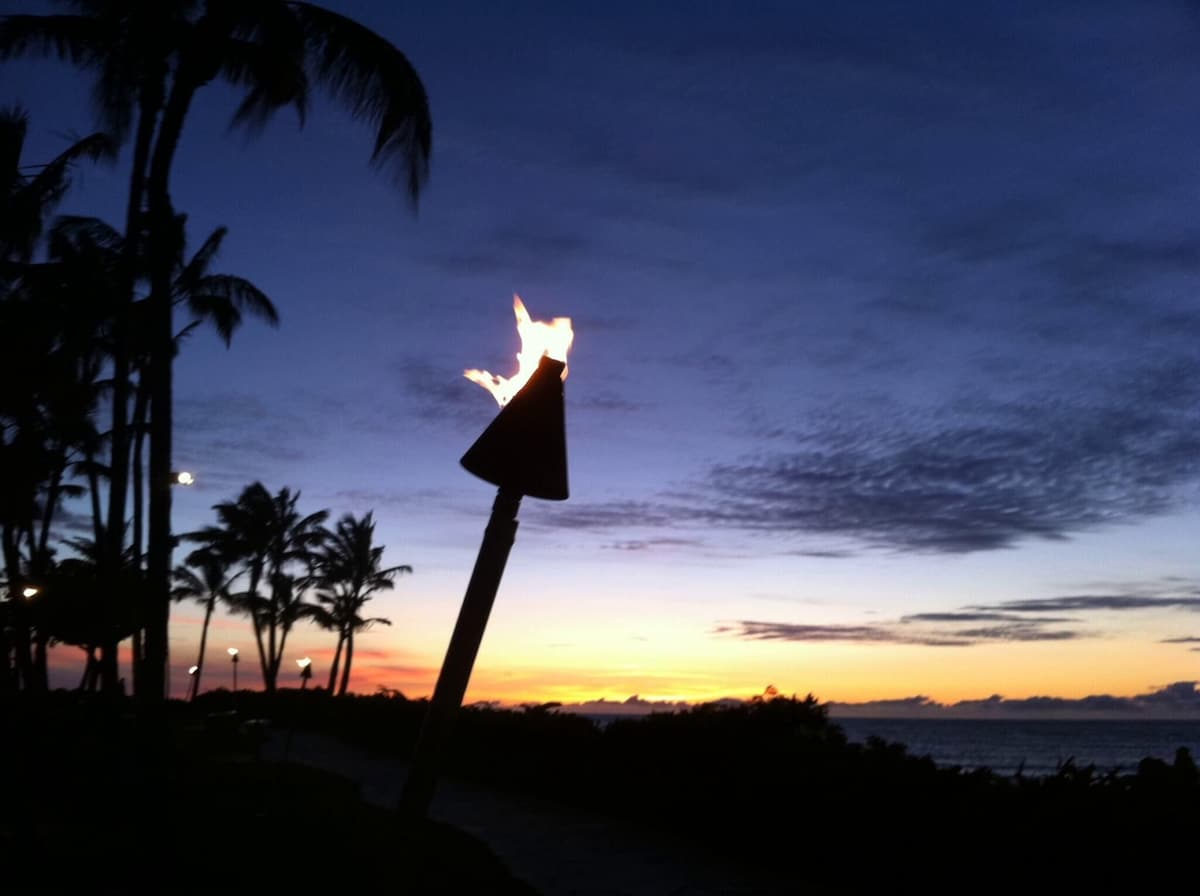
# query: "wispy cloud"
894,633
651,544
1092,602
1034,619
1178,700
988,479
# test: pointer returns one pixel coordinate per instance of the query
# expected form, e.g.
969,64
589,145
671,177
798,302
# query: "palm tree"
207,297
205,578
276,546
129,45
348,575
269,50
29,193
272,50
53,323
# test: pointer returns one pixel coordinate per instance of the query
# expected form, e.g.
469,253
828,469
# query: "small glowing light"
304,662
538,338
183,477
192,670
30,591
233,652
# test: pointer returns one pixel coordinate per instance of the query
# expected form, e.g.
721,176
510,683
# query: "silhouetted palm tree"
349,575
50,325
29,193
272,51
274,545
206,579
129,45
207,297
269,50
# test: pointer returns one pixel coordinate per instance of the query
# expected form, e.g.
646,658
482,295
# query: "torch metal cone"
524,450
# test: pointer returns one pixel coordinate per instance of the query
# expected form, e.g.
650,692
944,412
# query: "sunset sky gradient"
886,376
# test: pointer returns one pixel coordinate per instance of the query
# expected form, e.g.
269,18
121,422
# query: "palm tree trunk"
140,403
208,611
7,683
337,656
52,495
20,627
94,487
89,659
41,673
272,620
111,549
255,576
162,257
279,657
349,657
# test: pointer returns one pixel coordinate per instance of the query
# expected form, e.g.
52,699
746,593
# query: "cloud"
1090,602
894,633
977,475
602,401
440,394
529,247
236,436
1028,620
605,516
969,616
630,706
649,544
989,477
1179,700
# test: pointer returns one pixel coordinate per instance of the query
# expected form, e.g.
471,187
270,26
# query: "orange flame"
538,338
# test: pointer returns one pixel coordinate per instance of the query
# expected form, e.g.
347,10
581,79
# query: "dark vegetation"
87,809
759,781
95,314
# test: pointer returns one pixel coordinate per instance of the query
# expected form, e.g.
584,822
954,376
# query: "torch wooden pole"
460,655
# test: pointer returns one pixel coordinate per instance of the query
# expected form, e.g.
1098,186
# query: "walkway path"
559,851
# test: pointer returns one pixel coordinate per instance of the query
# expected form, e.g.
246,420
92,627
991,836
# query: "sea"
1028,746
1034,746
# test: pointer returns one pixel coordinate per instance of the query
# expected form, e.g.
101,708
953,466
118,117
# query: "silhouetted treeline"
775,783
91,311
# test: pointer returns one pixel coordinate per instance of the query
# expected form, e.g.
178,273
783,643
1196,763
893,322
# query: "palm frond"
271,69
375,82
221,299
82,230
73,39
200,262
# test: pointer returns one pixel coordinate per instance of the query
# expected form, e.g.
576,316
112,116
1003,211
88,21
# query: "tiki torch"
523,452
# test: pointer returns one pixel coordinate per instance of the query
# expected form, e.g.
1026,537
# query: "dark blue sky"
881,309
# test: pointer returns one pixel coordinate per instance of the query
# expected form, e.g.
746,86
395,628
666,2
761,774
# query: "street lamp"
182,477
192,670
233,658
29,591
305,664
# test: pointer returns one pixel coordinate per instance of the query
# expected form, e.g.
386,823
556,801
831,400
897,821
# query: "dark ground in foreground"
98,800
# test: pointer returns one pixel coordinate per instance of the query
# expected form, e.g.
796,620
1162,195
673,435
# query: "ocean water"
1038,747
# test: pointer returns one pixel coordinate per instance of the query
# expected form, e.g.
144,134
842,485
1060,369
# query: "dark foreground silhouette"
97,801
775,784
771,784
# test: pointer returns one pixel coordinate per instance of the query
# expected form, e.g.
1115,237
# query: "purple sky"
882,310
